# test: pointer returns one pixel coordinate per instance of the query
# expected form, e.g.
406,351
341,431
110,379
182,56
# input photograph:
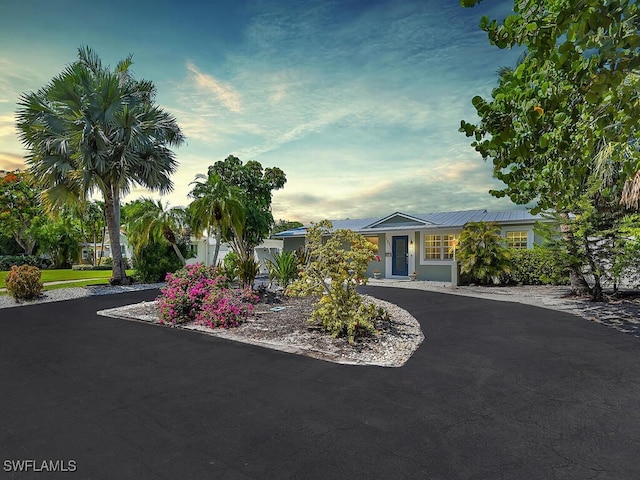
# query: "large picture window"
439,247
517,240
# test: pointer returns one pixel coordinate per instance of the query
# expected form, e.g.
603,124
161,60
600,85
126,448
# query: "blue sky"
359,102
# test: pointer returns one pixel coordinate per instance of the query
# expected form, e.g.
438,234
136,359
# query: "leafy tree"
155,222
59,238
332,274
572,98
481,252
97,128
20,210
257,185
217,206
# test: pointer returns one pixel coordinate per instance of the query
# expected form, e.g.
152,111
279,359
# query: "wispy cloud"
224,93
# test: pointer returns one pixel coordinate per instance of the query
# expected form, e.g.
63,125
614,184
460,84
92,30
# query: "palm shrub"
481,252
283,268
248,269
24,282
332,274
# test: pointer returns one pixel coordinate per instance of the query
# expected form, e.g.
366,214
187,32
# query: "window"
450,244
518,240
440,247
432,247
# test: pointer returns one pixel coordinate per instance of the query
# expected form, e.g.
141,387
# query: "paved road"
497,391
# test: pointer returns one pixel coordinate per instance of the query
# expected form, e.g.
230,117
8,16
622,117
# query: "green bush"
106,262
154,261
539,266
230,265
8,261
24,282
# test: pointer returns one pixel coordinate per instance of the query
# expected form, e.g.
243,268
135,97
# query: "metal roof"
431,221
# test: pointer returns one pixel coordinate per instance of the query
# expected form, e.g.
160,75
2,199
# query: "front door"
400,254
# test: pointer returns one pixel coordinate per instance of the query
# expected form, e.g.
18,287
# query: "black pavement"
496,391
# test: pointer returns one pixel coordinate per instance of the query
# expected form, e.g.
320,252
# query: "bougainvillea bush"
226,308
199,293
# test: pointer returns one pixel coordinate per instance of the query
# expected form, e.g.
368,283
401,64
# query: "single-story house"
204,249
424,244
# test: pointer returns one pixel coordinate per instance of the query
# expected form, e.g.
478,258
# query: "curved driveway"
497,391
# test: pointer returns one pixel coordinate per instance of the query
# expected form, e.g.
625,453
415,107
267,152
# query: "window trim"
436,261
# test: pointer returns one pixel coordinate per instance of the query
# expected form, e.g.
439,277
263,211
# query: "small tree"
334,269
481,252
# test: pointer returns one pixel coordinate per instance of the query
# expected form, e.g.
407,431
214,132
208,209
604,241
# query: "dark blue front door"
400,252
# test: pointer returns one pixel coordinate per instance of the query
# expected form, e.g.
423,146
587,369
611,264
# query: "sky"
358,102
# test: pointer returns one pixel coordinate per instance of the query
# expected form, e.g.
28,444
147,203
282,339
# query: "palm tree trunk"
111,202
179,254
217,250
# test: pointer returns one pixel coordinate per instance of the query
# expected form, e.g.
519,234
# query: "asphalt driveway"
496,391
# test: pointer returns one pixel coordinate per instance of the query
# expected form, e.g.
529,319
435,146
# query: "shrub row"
539,266
8,261
90,267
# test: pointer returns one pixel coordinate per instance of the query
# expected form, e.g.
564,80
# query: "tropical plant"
217,206
283,268
96,128
332,274
481,252
256,186
155,222
248,270
92,224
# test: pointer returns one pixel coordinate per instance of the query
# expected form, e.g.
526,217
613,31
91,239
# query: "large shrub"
482,255
186,290
332,273
24,282
154,261
539,266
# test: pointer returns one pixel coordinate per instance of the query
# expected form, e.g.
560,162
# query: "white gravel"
61,294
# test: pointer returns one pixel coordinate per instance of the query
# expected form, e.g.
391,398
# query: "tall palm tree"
216,206
157,222
93,128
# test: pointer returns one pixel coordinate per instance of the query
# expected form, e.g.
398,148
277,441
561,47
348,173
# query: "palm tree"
157,222
481,252
93,128
217,206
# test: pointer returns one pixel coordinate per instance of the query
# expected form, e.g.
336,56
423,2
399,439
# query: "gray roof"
423,221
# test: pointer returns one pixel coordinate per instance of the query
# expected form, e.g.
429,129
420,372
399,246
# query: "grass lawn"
84,277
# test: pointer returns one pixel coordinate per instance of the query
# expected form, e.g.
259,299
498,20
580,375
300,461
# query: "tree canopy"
256,186
96,128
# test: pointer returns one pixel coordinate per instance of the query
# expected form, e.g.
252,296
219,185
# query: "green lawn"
84,277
